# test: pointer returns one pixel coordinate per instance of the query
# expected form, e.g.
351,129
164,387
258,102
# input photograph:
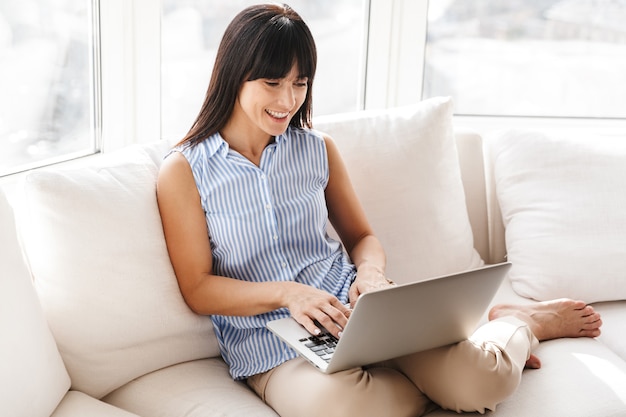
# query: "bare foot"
533,362
554,319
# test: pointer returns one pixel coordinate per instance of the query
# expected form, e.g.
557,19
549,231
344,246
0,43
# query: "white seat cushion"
194,389
613,326
578,378
33,379
77,404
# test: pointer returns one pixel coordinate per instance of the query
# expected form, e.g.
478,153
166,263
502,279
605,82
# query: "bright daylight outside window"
554,58
47,81
191,32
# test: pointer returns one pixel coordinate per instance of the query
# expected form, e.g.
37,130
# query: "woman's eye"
272,83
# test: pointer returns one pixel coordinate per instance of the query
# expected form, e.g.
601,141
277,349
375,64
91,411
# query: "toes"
594,319
593,323
533,362
590,333
580,305
592,327
587,311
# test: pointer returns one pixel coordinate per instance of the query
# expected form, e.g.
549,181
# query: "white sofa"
104,331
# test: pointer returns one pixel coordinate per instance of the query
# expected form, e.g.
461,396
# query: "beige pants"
473,375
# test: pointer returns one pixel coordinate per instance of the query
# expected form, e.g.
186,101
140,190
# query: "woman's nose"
288,96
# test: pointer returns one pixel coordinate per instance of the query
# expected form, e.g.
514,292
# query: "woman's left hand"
368,279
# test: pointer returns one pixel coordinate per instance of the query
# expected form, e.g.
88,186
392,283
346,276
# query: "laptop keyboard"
323,345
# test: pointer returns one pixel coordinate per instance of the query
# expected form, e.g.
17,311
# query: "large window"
192,29
79,76
47,80
547,58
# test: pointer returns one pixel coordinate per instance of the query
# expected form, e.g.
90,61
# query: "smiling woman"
258,64
266,106
246,196
245,202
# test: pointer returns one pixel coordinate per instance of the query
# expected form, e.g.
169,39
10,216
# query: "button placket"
271,221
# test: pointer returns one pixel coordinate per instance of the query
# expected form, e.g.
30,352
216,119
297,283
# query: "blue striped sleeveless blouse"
267,223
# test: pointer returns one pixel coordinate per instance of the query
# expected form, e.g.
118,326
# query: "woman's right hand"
308,305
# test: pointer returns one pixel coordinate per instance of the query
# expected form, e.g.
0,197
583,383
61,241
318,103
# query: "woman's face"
267,105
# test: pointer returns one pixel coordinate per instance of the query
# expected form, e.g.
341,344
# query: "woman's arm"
349,220
188,245
189,248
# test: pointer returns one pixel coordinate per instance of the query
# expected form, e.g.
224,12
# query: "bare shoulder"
175,182
174,165
327,138
331,147
174,173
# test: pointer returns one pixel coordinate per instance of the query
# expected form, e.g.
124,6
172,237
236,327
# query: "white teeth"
277,114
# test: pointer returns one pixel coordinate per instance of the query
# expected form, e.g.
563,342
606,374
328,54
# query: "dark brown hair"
262,41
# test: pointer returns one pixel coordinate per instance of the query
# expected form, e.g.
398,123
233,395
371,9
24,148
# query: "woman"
245,199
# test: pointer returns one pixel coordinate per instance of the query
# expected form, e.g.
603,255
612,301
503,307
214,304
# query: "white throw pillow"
404,165
98,256
563,202
33,379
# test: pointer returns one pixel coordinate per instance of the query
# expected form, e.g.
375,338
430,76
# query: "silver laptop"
399,320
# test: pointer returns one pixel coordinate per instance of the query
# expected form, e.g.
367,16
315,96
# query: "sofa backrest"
404,166
95,245
470,148
497,244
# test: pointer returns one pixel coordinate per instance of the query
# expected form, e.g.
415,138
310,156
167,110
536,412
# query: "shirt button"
275,237
284,264
268,206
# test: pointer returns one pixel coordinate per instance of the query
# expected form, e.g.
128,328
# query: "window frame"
131,74
129,85
95,115
397,31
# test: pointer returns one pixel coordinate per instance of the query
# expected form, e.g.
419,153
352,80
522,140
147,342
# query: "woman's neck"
248,142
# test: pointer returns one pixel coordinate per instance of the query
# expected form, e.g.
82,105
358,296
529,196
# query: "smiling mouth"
277,115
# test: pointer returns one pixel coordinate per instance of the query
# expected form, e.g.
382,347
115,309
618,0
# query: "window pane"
46,79
562,58
191,32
